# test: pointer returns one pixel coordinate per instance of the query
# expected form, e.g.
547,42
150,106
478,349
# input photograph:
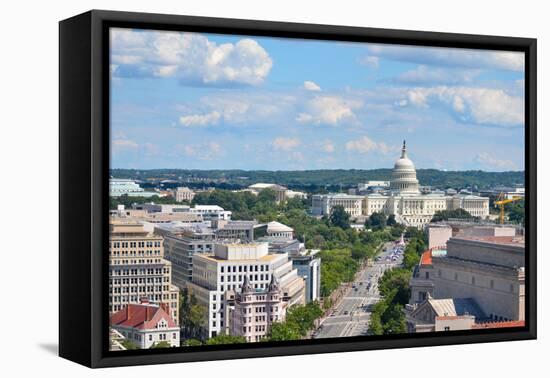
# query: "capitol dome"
404,175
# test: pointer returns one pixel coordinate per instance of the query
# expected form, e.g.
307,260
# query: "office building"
217,275
138,269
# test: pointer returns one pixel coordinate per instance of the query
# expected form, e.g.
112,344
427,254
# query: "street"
350,316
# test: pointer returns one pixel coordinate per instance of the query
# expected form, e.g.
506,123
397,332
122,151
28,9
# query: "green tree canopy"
376,221
225,339
339,217
161,344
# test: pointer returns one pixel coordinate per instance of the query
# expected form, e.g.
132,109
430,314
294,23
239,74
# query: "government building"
403,199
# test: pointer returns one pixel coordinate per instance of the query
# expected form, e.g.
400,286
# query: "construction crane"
501,201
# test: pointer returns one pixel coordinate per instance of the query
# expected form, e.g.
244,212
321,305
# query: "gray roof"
456,307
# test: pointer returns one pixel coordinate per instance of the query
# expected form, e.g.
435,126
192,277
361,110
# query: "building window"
473,280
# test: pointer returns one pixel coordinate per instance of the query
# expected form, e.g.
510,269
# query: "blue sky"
204,101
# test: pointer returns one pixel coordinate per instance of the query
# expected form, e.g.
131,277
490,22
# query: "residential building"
137,268
146,324
214,275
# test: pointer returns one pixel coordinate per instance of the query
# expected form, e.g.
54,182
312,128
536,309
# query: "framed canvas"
235,188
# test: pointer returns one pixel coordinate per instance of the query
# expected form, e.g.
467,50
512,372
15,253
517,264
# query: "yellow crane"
501,201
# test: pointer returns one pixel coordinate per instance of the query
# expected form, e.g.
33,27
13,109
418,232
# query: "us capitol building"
403,199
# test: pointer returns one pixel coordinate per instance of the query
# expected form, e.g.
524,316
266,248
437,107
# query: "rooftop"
141,316
456,307
505,324
504,240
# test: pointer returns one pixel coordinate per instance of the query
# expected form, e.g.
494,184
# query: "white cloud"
311,86
366,145
425,75
370,61
237,108
200,119
451,57
330,110
328,147
480,105
285,144
121,145
487,160
202,151
192,58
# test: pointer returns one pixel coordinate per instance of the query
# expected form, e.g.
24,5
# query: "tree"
516,212
361,251
283,331
161,344
225,339
191,342
376,221
339,217
129,344
391,220
193,316
444,215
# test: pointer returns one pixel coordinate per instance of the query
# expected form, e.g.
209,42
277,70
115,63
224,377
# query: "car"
346,312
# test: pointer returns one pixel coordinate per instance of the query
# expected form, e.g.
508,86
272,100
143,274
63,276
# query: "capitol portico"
404,199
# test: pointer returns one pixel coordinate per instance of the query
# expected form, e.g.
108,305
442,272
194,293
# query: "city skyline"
204,101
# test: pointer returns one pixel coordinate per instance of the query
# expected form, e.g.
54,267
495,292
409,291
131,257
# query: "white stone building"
183,193
413,208
279,230
322,204
211,212
217,276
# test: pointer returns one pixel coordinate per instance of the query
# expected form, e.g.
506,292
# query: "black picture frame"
83,181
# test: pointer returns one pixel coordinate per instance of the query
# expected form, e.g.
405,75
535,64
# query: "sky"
206,101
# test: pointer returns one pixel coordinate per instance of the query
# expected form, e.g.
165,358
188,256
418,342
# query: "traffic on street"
351,315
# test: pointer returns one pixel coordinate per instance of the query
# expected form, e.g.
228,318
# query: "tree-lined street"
350,316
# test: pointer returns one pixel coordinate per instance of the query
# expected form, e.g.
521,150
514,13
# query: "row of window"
136,262
239,278
141,244
126,281
138,253
135,271
135,298
140,289
244,268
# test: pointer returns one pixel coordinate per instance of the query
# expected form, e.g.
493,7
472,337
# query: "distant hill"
323,178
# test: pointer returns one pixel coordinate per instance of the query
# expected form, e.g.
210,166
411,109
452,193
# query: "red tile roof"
426,258
504,324
141,316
